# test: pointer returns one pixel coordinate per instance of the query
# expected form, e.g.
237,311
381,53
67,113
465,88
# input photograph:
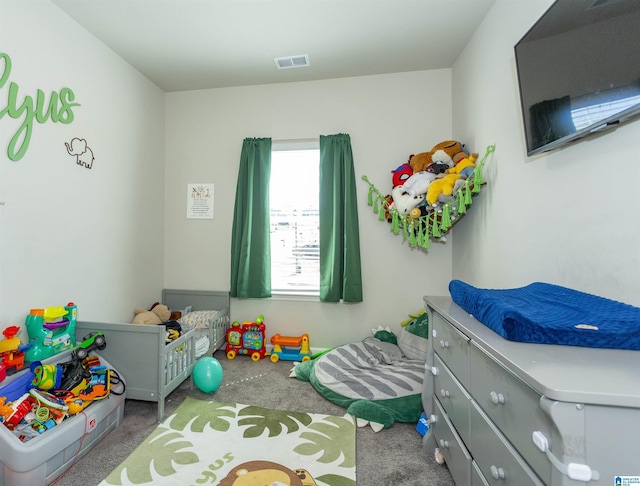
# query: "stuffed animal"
418,183
442,152
404,202
464,167
388,203
158,314
401,174
422,161
441,187
440,166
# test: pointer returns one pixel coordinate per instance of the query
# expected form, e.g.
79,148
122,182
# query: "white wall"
101,237
544,218
388,117
67,233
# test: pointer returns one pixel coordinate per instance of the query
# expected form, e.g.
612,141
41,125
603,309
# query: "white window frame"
307,261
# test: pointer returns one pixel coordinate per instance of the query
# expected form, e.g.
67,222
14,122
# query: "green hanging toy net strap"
418,230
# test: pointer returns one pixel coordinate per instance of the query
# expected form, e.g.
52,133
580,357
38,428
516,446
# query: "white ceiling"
195,44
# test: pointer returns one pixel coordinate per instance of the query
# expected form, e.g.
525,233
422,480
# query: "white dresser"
517,414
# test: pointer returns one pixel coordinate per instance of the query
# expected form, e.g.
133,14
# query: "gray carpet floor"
391,457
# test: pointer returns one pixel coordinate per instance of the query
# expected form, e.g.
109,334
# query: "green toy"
342,376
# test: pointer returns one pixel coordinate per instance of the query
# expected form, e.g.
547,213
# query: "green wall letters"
59,109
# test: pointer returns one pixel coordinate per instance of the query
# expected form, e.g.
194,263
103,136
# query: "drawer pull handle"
444,393
496,398
433,418
444,444
434,370
444,344
497,472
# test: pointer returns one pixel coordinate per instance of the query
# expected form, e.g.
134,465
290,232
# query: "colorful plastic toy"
21,384
21,407
98,387
70,375
248,338
47,399
46,425
47,376
49,333
5,410
90,342
12,352
290,348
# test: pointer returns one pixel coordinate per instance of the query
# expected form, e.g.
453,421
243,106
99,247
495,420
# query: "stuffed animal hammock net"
420,230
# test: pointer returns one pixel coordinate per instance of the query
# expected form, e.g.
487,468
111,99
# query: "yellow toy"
290,348
9,344
443,186
468,163
12,353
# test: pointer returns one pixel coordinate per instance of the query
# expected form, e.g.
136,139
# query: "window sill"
295,296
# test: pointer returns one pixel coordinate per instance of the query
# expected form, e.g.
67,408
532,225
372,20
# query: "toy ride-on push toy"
247,338
290,348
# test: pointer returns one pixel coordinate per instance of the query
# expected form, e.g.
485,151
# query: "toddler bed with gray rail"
151,367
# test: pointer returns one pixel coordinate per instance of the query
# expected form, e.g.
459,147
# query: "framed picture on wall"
199,201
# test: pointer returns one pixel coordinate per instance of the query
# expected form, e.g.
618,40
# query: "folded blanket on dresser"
550,314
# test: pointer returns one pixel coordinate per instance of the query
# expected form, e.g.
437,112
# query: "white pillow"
198,319
381,351
413,347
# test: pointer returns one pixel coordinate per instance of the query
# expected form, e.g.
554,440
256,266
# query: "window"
589,110
295,217
339,272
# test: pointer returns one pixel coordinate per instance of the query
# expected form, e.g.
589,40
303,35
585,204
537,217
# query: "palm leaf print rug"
211,443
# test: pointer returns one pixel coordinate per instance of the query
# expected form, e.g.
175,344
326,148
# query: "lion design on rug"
267,473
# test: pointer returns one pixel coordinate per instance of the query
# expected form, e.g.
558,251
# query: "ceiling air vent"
288,62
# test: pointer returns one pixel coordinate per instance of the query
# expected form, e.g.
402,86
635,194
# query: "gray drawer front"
452,346
513,407
477,479
456,454
498,462
453,398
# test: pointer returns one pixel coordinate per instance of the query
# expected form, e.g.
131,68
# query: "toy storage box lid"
45,457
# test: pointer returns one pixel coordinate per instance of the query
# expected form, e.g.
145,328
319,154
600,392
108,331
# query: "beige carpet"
207,442
392,457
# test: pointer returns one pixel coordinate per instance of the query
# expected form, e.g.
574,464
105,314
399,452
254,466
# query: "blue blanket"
549,314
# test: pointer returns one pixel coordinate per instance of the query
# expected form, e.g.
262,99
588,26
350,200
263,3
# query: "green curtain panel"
340,270
250,238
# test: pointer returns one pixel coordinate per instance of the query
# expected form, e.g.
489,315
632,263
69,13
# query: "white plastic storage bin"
43,459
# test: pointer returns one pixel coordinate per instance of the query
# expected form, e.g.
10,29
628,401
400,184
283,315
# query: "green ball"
207,374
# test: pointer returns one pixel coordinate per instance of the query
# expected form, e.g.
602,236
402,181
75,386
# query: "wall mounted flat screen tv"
579,71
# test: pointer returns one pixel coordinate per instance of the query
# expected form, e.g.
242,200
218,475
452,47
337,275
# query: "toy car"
91,341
